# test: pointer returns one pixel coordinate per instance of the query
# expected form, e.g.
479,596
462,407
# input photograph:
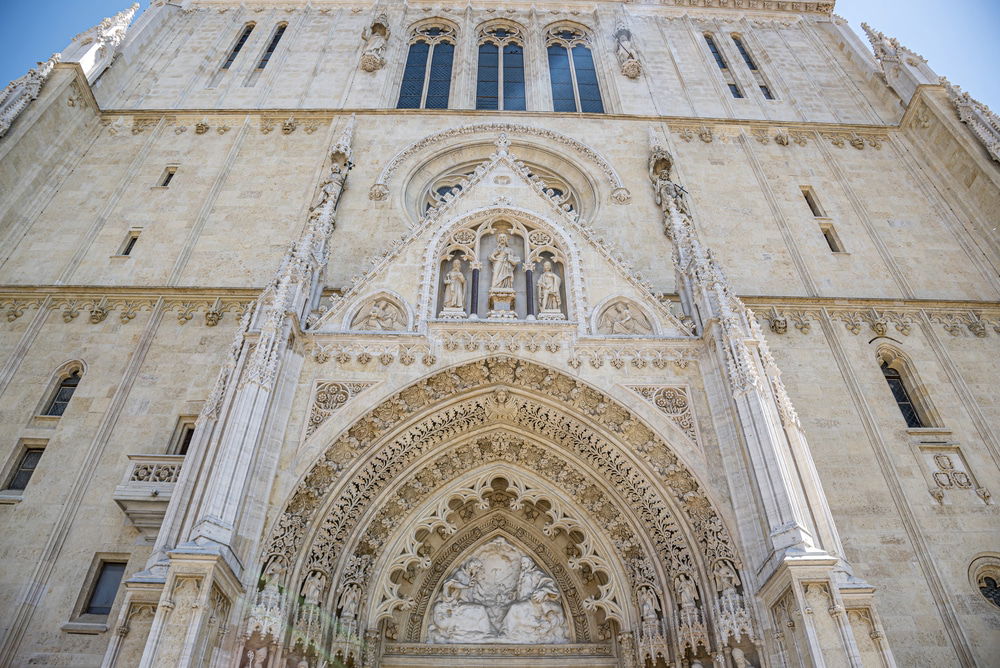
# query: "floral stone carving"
498,595
330,396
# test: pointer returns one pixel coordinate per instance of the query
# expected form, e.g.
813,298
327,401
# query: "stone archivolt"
597,451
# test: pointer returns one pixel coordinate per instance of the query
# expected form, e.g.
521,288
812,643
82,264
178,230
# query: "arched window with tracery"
500,76
427,74
59,398
572,71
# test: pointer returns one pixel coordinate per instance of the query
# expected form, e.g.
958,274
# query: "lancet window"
720,60
912,401
572,72
271,46
765,88
240,41
500,78
427,75
502,270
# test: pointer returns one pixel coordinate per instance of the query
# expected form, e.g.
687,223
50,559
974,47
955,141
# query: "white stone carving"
622,318
672,402
983,123
549,298
329,398
375,36
21,91
454,291
498,595
625,52
380,314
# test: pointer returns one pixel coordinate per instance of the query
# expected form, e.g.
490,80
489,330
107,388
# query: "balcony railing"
145,490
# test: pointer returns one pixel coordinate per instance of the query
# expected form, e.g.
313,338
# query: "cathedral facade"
544,333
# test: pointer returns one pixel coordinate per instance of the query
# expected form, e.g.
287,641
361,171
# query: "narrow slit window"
743,52
102,596
25,469
167,177
813,203
182,436
713,47
735,90
271,46
67,386
427,75
902,397
129,244
766,92
832,240
235,51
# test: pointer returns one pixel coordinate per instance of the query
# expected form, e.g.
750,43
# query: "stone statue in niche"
375,36
549,300
503,262
454,291
312,591
498,595
382,315
740,659
648,604
620,319
257,657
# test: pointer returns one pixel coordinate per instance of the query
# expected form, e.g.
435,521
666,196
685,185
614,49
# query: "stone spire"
95,48
902,68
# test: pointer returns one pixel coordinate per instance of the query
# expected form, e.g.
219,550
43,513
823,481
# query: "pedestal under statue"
498,595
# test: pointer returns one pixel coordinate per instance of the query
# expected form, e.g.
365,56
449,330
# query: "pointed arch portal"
629,549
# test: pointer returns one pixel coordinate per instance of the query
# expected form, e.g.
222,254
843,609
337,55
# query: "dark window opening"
185,440
168,176
25,468
720,61
271,47
735,90
102,596
766,92
990,590
902,397
813,203
244,36
743,52
63,394
129,244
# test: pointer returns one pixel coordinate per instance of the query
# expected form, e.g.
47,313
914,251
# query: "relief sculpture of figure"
536,615
648,605
454,287
619,319
548,291
383,315
504,261
498,595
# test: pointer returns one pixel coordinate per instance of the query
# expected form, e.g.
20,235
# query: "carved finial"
502,143
980,119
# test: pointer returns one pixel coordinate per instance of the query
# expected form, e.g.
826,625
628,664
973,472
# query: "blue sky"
958,37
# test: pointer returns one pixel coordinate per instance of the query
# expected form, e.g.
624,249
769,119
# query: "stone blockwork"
315,384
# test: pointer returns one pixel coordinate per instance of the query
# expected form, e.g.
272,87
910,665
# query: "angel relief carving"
623,318
381,314
494,264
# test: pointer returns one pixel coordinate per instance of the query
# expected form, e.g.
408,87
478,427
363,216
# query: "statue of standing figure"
549,299
503,262
454,290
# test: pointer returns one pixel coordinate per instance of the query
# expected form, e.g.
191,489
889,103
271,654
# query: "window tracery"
572,71
451,183
500,80
427,74
984,574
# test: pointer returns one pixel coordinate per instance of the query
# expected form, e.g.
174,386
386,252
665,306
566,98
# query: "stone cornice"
276,116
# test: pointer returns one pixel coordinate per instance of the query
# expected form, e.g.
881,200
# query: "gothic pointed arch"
317,541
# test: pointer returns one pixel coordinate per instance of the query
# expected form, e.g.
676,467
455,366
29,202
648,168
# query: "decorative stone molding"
19,93
380,189
672,402
328,397
981,120
289,534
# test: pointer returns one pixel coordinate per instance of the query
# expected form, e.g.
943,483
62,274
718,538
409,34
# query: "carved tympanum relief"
621,317
498,595
380,314
513,269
